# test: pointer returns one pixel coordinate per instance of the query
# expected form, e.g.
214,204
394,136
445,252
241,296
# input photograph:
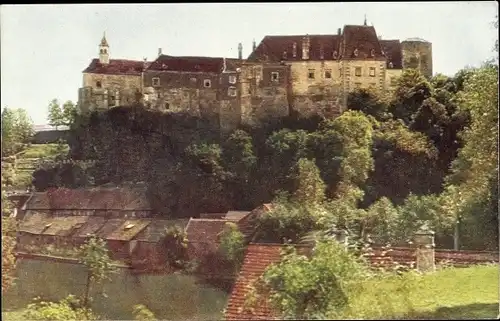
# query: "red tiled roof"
116,67
363,38
188,64
393,52
275,46
258,257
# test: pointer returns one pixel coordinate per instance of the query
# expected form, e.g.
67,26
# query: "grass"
42,151
452,293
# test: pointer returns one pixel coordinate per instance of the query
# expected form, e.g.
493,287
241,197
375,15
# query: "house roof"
188,64
128,229
393,52
155,231
257,258
200,230
274,47
116,67
236,215
35,223
213,215
64,225
364,39
109,227
91,226
128,199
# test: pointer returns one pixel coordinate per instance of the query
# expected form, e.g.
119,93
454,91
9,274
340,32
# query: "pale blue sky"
44,48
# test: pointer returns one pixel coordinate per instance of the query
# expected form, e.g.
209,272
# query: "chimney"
305,47
294,51
159,52
339,31
240,51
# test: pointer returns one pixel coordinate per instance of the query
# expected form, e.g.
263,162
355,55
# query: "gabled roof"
116,67
187,64
200,230
393,52
364,39
258,257
155,231
91,226
274,46
35,223
109,227
128,230
236,215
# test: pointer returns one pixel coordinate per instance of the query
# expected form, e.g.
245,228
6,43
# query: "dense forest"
425,153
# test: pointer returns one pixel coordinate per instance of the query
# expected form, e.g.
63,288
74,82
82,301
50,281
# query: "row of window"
207,83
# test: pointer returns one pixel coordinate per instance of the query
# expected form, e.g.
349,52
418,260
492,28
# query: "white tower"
104,50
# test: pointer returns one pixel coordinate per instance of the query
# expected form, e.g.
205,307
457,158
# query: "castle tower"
240,51
104,50
417,54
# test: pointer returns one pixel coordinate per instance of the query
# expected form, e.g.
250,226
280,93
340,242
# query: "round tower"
417,54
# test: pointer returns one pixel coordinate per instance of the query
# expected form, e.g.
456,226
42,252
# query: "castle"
304,74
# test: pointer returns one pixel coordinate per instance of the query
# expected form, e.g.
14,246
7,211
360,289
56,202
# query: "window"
207,83
111,101
275,76
98,84
167,106
357,71
232,79
311,74
231,91
357,85
328,73
156,82
372,71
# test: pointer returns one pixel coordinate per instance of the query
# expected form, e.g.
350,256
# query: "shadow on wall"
170,297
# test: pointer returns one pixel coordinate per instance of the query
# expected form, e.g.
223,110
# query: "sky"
45,48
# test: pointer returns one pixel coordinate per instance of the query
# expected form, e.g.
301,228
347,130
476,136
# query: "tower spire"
104,42
104,50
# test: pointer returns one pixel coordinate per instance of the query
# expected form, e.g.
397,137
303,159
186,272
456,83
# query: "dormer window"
335,54
391,65
156,82
207,83
372,53
294,52
356,52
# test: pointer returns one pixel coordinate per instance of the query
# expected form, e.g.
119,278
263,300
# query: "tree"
8,246
369,103
61,115
310,188
64,310
232,244
17,129
94,256
142,313
311,288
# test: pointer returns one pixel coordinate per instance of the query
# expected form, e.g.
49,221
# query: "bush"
66,309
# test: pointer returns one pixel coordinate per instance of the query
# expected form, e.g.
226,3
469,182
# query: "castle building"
303,75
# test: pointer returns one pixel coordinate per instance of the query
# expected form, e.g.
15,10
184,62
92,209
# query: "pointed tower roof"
104,42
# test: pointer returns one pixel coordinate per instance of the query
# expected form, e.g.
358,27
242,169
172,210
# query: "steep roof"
128,229
258,257
128,199
35,223
109,227
155,231
116,67
64,226
364,39
274,46
393,52
91,226
187,64
200,230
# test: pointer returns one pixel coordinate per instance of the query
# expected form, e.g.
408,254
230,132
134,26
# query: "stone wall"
418,55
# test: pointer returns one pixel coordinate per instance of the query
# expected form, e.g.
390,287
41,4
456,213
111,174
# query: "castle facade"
304,74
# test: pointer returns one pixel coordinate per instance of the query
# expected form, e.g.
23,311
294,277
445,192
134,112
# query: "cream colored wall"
122,82
366,81
302,85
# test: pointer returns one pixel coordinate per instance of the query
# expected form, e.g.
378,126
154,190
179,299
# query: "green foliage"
61,115
239,154
176,243
94,256
8,246
67,309
310,187
232,244
17,129
311,288
382,221
142,313
369,103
